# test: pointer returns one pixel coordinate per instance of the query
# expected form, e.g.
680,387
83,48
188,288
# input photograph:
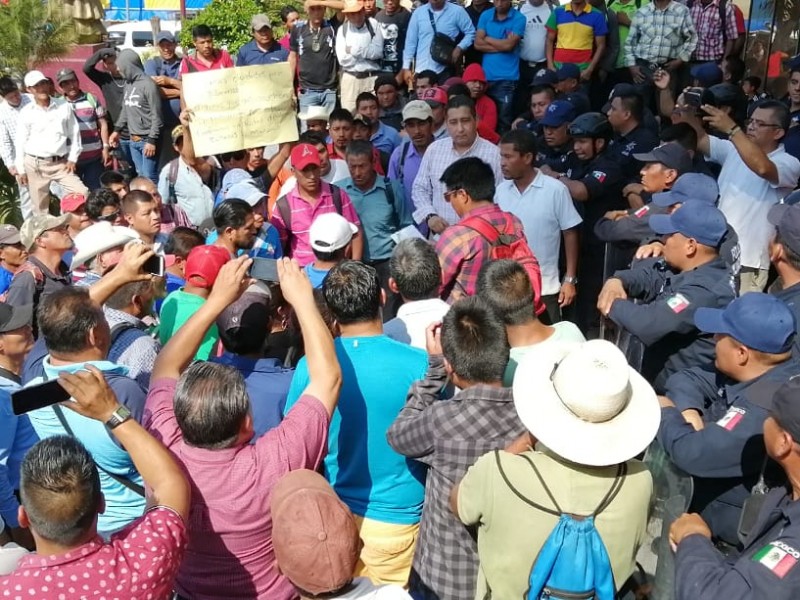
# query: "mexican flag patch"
778,558
731,418
677,303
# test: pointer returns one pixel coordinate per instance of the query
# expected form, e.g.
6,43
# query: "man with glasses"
46,238
757,172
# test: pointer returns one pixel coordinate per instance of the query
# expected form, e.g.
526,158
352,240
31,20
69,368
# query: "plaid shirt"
9,118
449,436
710,44
657,36
462,252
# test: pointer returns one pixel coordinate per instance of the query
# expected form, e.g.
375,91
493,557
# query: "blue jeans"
90,172
145,167
326,98
502,92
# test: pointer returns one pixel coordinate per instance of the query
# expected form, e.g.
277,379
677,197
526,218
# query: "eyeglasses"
109,217
448,195
759,124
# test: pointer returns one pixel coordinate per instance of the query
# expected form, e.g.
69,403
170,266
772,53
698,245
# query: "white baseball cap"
330,232
34,77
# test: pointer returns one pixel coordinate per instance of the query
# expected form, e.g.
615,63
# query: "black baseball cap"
786,409
14,317
672,155
786,219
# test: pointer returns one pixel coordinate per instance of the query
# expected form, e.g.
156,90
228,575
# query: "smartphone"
694,97
154,265
38,396
264,269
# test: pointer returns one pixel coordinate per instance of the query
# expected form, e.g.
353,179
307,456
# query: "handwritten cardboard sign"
244,107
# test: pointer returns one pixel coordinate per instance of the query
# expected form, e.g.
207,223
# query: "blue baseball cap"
707,74
545,77
696,220
568,71
759,321
690,186
557,114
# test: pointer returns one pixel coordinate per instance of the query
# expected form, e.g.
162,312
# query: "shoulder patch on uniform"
732,418
678,303
642,211
599,175
777,557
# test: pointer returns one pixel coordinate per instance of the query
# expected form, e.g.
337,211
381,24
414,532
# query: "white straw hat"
585,403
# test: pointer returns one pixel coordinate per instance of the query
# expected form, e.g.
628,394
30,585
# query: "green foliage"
9,198
33,32
229,20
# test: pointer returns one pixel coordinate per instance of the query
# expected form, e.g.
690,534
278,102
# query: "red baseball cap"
203,265
72,202
304,155
434,95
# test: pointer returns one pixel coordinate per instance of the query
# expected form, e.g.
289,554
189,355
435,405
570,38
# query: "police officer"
767,566
691,275
662,168
556,152
699,188
626,113
711,420
784,253
595,183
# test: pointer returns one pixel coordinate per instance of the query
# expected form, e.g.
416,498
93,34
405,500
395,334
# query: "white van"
138,35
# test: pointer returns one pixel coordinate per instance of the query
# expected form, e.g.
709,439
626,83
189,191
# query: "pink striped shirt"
303,214
230,554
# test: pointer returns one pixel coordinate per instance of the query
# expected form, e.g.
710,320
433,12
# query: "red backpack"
505,244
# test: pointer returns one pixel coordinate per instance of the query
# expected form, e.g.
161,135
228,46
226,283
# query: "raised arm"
324,373
164,478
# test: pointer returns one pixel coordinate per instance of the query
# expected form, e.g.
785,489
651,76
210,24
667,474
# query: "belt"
137,138
361,74
48,158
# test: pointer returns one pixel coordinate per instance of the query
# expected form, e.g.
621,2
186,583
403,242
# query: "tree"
229,21
34,32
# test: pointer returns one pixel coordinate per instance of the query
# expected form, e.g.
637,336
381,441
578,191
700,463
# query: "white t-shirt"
565,331
364,589
532,49
745,198
413,318
545,209
338,172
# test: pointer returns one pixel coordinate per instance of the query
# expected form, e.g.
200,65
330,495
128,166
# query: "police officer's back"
785,255
690,275
767,566
753,359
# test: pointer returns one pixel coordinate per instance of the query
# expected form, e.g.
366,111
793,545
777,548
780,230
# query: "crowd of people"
422,351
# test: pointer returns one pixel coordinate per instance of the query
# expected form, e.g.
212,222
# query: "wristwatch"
430,216
118,417
572,280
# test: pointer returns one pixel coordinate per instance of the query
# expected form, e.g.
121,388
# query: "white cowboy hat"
314,113
98,238
585,403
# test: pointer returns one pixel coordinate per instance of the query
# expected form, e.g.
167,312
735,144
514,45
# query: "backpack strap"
619,480
485,229
285,211
433,23
389,191
402,165
336,192
558,512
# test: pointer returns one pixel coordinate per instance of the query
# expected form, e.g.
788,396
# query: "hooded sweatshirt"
141,107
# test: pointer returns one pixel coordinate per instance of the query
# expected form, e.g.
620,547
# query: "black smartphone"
694,97
154,265
264,269
38,396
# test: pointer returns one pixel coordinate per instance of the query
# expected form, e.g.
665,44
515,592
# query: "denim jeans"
90,172
326,98
502,92
145,167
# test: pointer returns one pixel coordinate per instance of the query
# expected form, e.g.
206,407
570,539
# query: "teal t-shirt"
372,479
178,308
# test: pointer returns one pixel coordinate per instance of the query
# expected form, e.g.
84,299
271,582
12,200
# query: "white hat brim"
584,443
118,239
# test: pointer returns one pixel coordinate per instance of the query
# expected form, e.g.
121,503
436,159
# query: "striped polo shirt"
575,33
88,112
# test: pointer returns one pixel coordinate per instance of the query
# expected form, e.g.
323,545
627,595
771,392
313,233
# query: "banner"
244,107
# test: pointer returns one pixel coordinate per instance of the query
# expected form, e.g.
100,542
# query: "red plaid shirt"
462,252
710,45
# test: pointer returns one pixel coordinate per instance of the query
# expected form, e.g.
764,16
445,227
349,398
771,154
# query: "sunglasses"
110,217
